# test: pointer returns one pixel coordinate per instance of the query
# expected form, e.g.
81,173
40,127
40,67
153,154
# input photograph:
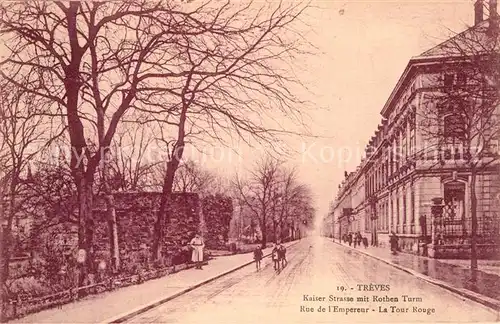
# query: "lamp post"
374,217
437,215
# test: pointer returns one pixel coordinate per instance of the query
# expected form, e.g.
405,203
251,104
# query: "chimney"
493,9
493,19
478,12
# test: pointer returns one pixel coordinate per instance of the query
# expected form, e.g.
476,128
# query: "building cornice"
413,65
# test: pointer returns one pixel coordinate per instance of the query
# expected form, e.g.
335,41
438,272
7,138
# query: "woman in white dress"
197,245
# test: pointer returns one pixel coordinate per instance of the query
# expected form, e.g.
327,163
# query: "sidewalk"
113,305
454,275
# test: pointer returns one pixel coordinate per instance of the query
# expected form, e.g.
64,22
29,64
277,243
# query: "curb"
484,300
144,308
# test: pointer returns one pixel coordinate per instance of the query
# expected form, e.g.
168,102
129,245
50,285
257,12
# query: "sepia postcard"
249,161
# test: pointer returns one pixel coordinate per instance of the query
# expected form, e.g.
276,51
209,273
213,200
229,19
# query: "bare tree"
460,112
93,61
132,160
284,194
238,83
256,192
275,197
218,67
21,137
190,177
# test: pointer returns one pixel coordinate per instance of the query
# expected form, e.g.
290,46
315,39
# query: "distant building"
393,187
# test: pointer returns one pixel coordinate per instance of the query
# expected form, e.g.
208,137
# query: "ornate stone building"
421,151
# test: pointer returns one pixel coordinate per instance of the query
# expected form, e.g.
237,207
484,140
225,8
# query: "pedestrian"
197,245
365,242
284,262
275,257
349,239
423,227
257,256
393,240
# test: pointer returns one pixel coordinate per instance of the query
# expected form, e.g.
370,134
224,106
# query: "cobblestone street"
318,269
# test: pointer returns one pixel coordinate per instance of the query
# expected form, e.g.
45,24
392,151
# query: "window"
391,161
404,207
412,202
454,201
454,127
412,143
461,78
382,216
379,178
392,213
397,210
448,80
404,152
413,119
386,215
377,212
454,209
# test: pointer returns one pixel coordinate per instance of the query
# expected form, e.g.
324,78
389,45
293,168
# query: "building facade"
421,151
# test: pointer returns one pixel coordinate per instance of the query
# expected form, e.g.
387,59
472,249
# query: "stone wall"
217,213
136,215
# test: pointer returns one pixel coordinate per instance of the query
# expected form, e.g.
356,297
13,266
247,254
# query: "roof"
473,41
476,40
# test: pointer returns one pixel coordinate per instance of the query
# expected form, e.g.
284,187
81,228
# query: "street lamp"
437,214
374,217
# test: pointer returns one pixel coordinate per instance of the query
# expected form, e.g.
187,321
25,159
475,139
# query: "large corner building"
405,169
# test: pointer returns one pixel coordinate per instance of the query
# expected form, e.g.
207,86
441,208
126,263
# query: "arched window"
454,200
454,209
454,127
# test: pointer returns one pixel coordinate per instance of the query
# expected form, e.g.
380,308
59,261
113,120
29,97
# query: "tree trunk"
84,187
263,229
5,234
473,234
113,232
6,237
275,230
3,260
163,215
4,272
114,248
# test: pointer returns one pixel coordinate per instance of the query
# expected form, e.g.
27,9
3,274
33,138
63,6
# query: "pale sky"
366,46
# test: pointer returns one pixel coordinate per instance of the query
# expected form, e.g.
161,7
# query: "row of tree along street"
87,80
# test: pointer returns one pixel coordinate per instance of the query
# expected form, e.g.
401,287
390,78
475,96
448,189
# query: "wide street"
317,287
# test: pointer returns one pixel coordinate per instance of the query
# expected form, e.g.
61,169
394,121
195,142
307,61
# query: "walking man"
284,262
257,256
275,256
393,240
197,245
